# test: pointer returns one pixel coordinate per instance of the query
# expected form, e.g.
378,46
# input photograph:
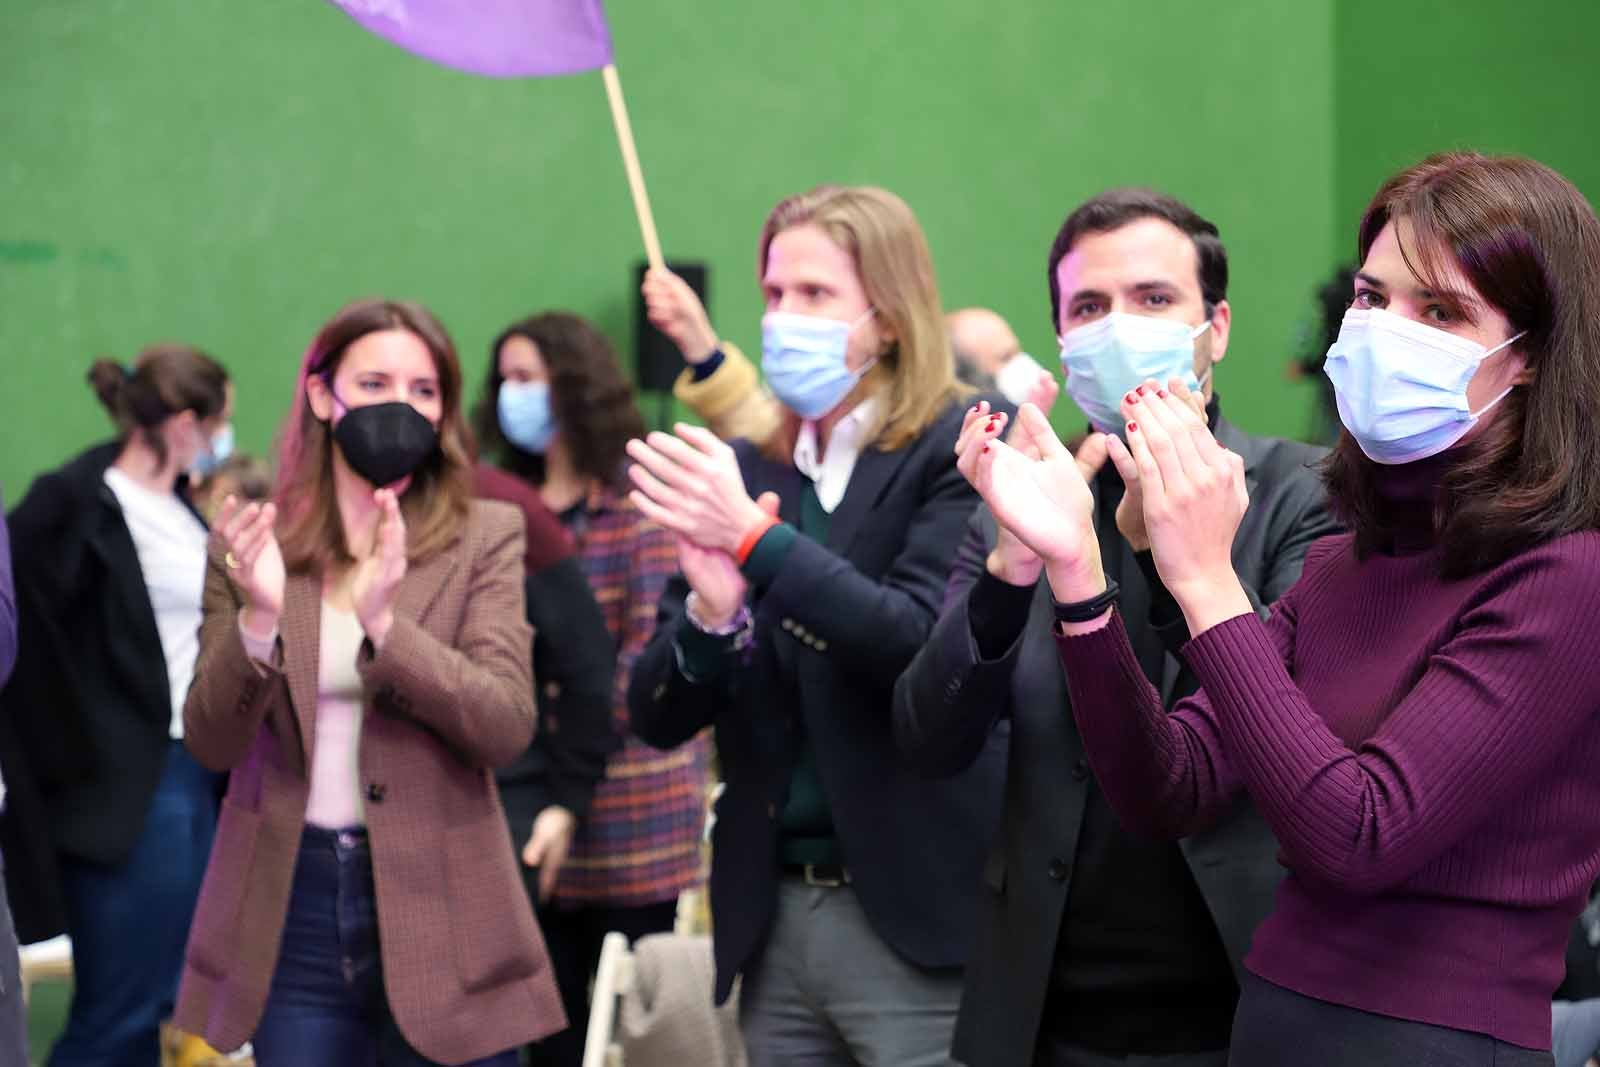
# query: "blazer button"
772,811
1080,770
376,791
788,624
1059,869
659,691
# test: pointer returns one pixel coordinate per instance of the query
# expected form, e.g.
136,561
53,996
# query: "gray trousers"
1575,1036
827,991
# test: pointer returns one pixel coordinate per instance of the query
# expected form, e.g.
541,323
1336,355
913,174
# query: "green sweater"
806,824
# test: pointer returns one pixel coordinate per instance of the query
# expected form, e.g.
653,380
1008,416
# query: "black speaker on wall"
656,357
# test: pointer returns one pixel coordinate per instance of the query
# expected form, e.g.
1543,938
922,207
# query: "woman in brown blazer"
364,666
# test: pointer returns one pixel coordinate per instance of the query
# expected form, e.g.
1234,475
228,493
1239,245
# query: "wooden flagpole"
630,163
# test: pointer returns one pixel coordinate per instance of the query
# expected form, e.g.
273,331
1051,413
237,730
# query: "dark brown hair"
310,530
1529,244
591,400
1116,208
166,380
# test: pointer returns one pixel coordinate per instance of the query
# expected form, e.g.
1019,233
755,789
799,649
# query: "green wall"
229,173
1498,77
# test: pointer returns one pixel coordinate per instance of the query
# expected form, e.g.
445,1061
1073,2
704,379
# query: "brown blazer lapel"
422,583
300,629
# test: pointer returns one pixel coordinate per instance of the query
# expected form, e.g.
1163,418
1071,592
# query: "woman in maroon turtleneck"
1418,719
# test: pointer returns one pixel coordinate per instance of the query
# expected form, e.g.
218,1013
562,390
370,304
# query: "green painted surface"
230,173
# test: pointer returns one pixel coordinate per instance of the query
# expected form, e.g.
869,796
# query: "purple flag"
495,38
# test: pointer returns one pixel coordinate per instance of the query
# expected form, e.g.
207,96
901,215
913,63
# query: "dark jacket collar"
85,477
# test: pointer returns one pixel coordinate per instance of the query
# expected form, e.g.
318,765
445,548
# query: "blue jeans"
129,923
326,1006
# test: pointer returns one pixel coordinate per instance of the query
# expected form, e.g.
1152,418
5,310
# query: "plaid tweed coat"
449,696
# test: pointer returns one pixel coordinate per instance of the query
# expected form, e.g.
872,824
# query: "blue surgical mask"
1401,385
803,358
1114,355
217,451
525,418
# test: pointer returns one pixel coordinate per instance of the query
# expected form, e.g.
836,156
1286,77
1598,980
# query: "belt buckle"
812,878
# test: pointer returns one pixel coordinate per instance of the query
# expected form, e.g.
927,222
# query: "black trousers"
1276,1026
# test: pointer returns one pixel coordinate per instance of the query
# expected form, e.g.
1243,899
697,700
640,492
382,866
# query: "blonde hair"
916,376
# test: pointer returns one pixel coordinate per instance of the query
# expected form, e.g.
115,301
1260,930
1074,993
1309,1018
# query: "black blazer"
951,706
832,633
88,711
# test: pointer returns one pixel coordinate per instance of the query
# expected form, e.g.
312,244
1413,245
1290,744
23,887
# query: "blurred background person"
990,358
557,412
110,562
244,476
1333,300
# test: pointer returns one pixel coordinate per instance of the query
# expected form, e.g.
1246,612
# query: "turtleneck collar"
1408,494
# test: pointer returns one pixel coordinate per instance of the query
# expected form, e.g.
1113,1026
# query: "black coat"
833,631
87,714
574,673
951,707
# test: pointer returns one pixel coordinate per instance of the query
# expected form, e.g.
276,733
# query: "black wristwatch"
1087,610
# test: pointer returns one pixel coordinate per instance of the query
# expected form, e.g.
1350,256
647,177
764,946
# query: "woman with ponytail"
110,560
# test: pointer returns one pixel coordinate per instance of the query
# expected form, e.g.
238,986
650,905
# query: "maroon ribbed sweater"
1428,754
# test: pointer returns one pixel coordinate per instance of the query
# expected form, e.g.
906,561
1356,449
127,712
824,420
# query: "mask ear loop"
1507,390
873,362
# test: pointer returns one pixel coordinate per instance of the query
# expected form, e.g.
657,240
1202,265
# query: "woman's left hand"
690,484
378,576
1194,498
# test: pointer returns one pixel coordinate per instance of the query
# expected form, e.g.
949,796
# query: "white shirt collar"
830,471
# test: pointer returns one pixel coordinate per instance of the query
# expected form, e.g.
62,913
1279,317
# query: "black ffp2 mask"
385,442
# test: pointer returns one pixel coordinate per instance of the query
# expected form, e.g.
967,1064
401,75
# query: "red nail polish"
1129,398
1132,426
974,407
1162,393
986,446
1143,389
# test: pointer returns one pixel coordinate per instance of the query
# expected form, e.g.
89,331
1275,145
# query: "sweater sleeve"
1495,705
730,398
1167,775
1503,696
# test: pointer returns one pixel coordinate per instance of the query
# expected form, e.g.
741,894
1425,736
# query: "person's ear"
320,397
1221,323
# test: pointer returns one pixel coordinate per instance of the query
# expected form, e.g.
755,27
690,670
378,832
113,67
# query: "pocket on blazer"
493,933
214,933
